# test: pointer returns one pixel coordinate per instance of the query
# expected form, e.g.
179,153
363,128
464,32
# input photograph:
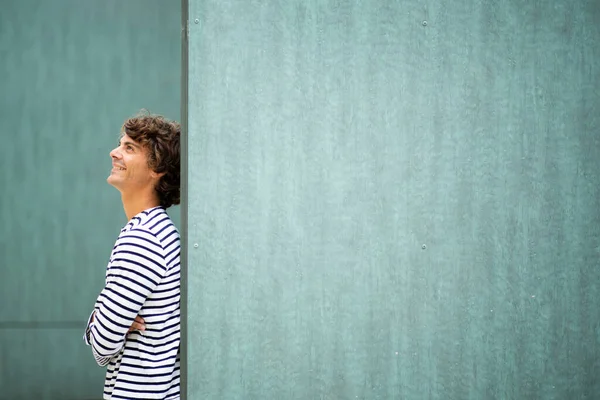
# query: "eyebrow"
131,144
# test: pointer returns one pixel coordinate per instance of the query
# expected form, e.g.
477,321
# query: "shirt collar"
137,219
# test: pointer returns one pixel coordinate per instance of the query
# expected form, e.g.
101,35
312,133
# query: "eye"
129,148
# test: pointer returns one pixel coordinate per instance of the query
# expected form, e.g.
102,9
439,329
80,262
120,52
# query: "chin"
111,181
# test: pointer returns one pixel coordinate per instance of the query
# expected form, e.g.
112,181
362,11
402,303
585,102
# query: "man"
134,328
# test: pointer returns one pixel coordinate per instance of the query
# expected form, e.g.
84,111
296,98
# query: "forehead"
123,137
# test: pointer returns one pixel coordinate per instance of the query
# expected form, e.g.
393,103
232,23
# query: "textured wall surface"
70,73
394,200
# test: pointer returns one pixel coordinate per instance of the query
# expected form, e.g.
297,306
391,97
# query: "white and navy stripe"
142,278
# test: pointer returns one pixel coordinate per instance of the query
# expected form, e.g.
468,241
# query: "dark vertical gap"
184,198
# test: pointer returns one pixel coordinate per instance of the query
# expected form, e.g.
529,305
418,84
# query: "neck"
135,204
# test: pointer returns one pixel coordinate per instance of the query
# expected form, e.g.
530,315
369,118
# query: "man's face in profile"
130,172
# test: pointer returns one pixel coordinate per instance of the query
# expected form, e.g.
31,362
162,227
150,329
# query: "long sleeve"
86,335
136,267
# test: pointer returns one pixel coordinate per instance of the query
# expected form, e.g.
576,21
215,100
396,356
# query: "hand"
138,324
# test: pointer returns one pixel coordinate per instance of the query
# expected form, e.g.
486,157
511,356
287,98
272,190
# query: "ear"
156,175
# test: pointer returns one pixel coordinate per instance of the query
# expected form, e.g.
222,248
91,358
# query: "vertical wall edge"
184,197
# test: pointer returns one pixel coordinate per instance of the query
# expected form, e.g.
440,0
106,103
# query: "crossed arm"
138,323
135,270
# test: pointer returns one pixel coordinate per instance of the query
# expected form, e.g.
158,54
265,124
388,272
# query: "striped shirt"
142,278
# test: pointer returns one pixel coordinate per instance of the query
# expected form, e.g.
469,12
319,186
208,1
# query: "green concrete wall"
393,200
70,73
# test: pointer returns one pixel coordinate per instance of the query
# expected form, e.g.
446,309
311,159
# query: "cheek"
141,174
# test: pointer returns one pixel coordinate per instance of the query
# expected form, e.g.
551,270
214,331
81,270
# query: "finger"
139,319
139,326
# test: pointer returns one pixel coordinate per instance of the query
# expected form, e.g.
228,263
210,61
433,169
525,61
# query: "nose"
115,153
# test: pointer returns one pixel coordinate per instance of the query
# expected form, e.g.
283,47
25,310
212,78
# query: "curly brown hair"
160,137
